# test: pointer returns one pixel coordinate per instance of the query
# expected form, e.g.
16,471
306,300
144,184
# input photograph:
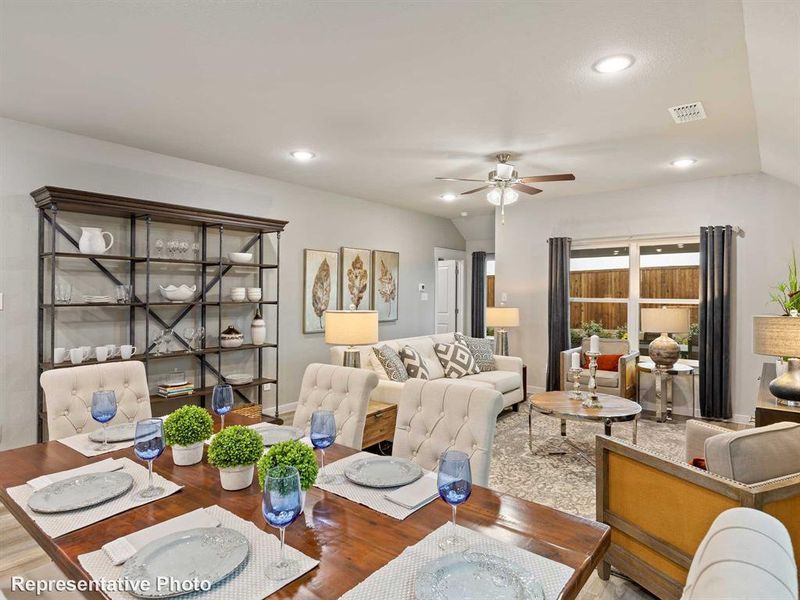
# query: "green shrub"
235,446
290,453
188,425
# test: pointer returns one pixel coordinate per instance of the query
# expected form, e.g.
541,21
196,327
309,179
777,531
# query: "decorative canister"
231,338
258,329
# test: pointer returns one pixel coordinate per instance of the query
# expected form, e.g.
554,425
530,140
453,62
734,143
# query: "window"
611,283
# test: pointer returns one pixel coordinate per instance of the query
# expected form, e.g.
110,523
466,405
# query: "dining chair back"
343,390
434,416
68,395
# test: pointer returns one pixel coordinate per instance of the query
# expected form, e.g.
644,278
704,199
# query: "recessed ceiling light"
682,163
302,155
448,197
658,249
465,214
613,64
616,252
680,245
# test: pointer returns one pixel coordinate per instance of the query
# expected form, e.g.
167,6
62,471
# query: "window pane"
670,271
688,341
606,319
599,273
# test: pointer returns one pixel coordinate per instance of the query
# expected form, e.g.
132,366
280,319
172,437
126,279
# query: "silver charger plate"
209,554
122,432
81,491
474,575
274,434
383,472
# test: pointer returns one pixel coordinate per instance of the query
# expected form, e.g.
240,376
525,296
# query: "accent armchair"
659,509
621,382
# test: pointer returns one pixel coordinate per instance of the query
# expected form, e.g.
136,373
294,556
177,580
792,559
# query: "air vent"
688,112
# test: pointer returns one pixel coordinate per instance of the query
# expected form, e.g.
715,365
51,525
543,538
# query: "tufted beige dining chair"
344,391
68,395
434,416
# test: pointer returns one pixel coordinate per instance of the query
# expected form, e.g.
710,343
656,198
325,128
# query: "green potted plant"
293,453
235,451
185,430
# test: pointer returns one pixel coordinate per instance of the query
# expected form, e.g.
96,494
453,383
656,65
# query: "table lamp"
780,336
501,317
351,328
664,351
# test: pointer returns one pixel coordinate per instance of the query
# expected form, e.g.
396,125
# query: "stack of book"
171,391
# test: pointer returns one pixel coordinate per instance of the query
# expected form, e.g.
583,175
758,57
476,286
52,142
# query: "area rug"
565,482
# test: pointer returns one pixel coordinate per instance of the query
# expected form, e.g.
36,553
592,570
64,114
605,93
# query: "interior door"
449,289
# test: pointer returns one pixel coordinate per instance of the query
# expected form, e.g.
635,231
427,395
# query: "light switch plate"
423,296
421,287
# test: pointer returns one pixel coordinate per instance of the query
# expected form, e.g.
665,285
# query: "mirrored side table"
663,379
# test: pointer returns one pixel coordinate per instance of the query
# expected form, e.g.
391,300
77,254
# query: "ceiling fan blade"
457,179
520,187
535,178
483,187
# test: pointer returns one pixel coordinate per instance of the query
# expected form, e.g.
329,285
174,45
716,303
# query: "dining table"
350,541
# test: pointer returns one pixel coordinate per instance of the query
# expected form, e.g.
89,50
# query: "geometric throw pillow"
481,349
457,361
414,363
391,363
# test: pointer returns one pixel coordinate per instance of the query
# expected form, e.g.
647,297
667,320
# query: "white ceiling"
390,95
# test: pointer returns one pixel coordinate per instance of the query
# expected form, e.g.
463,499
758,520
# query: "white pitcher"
92,241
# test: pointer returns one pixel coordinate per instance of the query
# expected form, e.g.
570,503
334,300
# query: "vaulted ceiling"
390,95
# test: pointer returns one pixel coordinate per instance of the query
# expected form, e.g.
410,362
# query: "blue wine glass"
222,401
104,408
148,445
455,486
281,505
323,434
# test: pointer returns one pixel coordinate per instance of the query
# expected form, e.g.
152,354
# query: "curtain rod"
644,237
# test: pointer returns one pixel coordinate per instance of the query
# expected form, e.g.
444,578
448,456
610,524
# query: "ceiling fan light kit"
504,184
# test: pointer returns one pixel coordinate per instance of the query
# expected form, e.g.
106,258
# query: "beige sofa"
617,383
507,379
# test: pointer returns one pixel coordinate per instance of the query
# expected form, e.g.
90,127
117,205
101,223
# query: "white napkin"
101,466
123,548
415,494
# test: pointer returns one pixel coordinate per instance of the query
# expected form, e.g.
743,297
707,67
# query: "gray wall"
34,156
767,208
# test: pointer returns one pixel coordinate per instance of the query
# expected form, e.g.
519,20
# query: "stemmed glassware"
148,445
323,434
196,250
188,335
184,247
281,506
455,486
222,401
104,408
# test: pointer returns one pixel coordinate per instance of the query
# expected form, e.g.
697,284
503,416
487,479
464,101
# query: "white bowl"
179,293
240,257
254,294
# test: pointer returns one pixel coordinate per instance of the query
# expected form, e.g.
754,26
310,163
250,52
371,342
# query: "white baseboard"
535,389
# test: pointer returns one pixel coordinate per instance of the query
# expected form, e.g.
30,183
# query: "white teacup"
59,355
87,351
101,352
126,351
78,355
112,350
254,294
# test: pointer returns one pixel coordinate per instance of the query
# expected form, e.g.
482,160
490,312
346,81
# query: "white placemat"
58,524
81,443
248,582
396,580
371,497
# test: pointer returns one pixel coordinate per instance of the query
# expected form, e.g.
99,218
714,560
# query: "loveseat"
506,378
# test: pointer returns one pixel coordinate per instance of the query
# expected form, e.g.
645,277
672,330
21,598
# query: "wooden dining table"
350,541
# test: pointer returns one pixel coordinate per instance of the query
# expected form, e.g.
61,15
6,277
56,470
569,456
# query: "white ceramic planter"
184,456
236,478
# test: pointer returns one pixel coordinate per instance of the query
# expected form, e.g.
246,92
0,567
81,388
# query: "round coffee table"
561,406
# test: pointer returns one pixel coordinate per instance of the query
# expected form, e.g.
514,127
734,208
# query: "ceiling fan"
504,183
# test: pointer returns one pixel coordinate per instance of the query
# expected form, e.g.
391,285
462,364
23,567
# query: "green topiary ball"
292,453
188,425
235,446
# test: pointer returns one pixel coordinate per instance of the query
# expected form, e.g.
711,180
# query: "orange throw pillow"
605,362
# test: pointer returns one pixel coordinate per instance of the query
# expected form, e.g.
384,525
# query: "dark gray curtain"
557,308
716,263
478,294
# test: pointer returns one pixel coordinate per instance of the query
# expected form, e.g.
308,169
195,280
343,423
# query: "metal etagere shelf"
141,215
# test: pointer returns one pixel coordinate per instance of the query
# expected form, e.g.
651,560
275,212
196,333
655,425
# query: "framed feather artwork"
356,279
385,284
321,287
